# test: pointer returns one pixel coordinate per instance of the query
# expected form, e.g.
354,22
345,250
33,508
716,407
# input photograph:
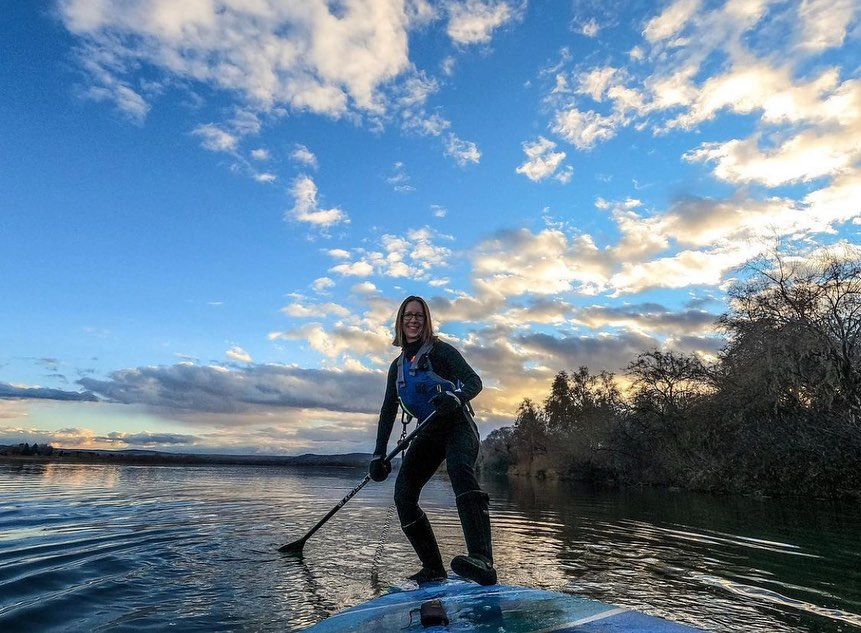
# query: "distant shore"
9,454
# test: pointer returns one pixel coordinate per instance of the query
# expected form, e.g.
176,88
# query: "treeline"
778,411
26,449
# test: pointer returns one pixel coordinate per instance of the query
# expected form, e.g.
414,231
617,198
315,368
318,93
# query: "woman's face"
414,321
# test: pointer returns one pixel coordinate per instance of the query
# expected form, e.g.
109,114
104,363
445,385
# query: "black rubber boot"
472,507
420,535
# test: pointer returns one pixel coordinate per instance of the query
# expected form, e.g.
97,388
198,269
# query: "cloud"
216,139
542,162
44,393
306,208
524,364
585,129
671,21
824,23
339,340
275,53
648,319
364,288
238,354
314,310
590,29
188,387
321,284
349,60
518,262
697,64
463,152
804,157
84,438
303,156
150,440
400,180
474,21
416,255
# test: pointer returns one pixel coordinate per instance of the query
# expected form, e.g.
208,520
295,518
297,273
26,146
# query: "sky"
210,210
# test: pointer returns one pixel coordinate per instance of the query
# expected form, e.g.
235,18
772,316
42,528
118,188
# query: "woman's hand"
379,468
446,402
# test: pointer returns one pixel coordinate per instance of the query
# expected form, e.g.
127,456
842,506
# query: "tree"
805,315
559,407
667,384
663,434
497,450
530,431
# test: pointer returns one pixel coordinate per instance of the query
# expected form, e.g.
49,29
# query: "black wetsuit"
453,438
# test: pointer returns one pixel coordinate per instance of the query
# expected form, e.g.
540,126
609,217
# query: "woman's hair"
427,331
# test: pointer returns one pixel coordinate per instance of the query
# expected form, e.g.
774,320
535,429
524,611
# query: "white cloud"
758,87
463,152
416,255
686,268
261,154
590,28
338,341
400,179
299,54
265,177
237,353
585,129
354,269
824,23
802,158
671,21
306,208
474,21
364,288
303,156
315,310
596,81
346,60
518,262
322,284
542,162
215,138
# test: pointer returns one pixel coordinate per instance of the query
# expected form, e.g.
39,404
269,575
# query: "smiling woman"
432,382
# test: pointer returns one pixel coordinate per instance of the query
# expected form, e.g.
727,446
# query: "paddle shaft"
296,546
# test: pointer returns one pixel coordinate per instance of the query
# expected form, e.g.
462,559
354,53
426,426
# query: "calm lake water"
137,548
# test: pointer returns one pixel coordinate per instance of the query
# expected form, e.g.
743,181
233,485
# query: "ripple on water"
194,549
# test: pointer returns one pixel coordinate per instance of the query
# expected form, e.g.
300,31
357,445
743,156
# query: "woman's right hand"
379,468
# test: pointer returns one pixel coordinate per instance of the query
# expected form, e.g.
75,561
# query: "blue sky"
210,211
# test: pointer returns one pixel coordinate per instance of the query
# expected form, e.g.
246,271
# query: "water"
138,548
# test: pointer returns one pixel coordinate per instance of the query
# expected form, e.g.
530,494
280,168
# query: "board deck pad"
494,609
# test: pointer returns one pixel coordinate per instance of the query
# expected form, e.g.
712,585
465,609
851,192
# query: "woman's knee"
462,476
408,509
406,496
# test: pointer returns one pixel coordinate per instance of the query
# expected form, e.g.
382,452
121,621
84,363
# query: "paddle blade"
292,548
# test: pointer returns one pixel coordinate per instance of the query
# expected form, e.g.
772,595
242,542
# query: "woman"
431,376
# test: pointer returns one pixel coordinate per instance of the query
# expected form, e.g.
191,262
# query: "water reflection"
114,548
663,551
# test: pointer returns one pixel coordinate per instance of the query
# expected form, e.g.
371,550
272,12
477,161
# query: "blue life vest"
418,383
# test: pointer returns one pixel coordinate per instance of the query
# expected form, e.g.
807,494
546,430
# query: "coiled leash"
384,533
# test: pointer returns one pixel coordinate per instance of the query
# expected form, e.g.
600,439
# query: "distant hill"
137,456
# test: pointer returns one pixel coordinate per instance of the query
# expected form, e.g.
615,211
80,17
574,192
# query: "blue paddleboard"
497,609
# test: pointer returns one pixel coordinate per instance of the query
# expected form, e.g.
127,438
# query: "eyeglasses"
418,316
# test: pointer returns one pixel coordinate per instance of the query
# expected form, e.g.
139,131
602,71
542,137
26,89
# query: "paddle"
296,546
